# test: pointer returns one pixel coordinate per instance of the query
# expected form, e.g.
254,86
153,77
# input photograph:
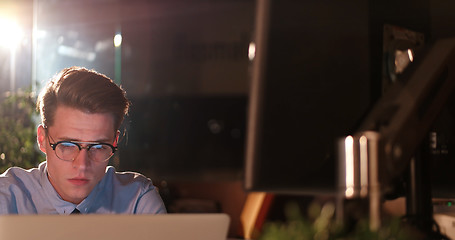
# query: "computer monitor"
309,85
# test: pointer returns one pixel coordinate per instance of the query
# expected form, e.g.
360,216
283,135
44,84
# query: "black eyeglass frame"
78,144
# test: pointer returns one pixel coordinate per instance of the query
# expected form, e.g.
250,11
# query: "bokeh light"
117,40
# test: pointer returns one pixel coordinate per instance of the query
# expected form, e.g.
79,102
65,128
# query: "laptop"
111,227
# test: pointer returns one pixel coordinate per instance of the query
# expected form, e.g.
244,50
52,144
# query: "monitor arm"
404,115
385,146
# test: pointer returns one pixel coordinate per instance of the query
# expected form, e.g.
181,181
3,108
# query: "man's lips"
78,181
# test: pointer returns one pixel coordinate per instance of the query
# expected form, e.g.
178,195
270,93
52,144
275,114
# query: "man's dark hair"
85,90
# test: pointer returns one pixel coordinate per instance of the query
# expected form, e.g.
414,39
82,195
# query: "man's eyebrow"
101,140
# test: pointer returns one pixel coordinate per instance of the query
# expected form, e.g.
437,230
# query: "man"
81,112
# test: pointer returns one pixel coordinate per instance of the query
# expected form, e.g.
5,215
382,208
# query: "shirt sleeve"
4,203
150,202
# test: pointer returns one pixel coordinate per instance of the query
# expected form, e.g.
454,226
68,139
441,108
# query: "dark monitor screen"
310,85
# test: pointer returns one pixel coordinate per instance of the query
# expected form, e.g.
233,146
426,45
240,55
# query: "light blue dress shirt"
30,192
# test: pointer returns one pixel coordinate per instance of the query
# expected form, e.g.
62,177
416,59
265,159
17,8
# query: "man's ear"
41,138
117,135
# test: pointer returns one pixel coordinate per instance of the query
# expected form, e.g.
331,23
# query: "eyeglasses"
69,150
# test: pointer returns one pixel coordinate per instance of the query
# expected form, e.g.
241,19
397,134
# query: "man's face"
74,180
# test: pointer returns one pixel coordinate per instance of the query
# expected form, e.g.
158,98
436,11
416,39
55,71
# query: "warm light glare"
363,166
349,150
117,40
411,56
10,33
252,51
402,59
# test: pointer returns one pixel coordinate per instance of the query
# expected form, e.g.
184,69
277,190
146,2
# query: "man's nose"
82,160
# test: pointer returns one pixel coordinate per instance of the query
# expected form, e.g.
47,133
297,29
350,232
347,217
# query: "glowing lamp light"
349,148
251,51
363,166
117,40
10,33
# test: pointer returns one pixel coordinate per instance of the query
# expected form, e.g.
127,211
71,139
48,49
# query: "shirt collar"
60,205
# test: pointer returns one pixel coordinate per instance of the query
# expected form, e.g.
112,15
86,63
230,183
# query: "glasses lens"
100,152
66,151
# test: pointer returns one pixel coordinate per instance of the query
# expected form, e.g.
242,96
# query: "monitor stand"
419,207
